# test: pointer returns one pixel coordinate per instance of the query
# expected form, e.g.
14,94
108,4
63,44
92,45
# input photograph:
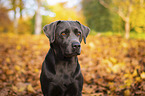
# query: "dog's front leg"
54,90
72,90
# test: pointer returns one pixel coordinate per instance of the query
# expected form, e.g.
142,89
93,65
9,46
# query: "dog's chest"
65,71
65,68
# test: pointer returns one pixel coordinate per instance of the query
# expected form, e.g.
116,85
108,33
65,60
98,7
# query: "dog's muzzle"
76,46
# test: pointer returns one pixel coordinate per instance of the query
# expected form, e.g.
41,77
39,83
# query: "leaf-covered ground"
112,66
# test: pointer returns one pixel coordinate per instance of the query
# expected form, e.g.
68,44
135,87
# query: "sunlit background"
108,17
112,61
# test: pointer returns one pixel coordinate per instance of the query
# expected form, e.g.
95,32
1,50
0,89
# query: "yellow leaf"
15,88
30,88
37,53
113,60
110,83
116,68
122,86
138,79
21,86
138,67
128,75
128,82
21,89
108,70
124,44
142,75
127,92
113,88
109,63
92,45
18,47
36,70
134,73
8,60
17,68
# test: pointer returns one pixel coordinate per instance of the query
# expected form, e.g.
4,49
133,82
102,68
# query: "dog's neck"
61,57
55,61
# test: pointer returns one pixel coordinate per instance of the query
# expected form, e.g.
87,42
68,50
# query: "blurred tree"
21,6
25,26
38,18
97,16
138,17
5,22
124,9
61,12
17,4
14,6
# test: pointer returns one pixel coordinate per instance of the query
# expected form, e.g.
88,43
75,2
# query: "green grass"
133,35
137,35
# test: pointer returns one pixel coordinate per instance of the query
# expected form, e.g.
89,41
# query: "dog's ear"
50,29
85,30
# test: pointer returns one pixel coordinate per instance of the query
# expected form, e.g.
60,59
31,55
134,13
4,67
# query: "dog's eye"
78,33
63,34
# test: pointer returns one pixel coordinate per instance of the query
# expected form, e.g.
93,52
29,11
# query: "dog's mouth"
72,54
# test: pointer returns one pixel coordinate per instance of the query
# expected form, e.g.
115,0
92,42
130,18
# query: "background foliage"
111,64
98,16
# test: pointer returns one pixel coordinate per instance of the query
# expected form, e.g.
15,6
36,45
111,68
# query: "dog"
61,74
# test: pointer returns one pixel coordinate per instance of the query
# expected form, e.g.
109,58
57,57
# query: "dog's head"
66,36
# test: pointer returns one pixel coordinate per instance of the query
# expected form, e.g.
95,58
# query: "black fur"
61,74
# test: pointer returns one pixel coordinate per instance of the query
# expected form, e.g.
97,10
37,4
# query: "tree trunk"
141,3
127,27
21,8
15,23
38,19
15,17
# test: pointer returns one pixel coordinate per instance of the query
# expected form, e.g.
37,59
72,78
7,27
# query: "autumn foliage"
111,66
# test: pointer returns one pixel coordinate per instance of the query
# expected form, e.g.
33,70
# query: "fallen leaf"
30,88
142,75
127,92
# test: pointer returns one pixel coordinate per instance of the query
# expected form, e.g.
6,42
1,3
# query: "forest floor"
111,66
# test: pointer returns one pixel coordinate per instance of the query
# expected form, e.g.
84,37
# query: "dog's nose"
76,45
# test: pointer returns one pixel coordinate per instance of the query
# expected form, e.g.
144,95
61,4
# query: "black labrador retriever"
61,74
